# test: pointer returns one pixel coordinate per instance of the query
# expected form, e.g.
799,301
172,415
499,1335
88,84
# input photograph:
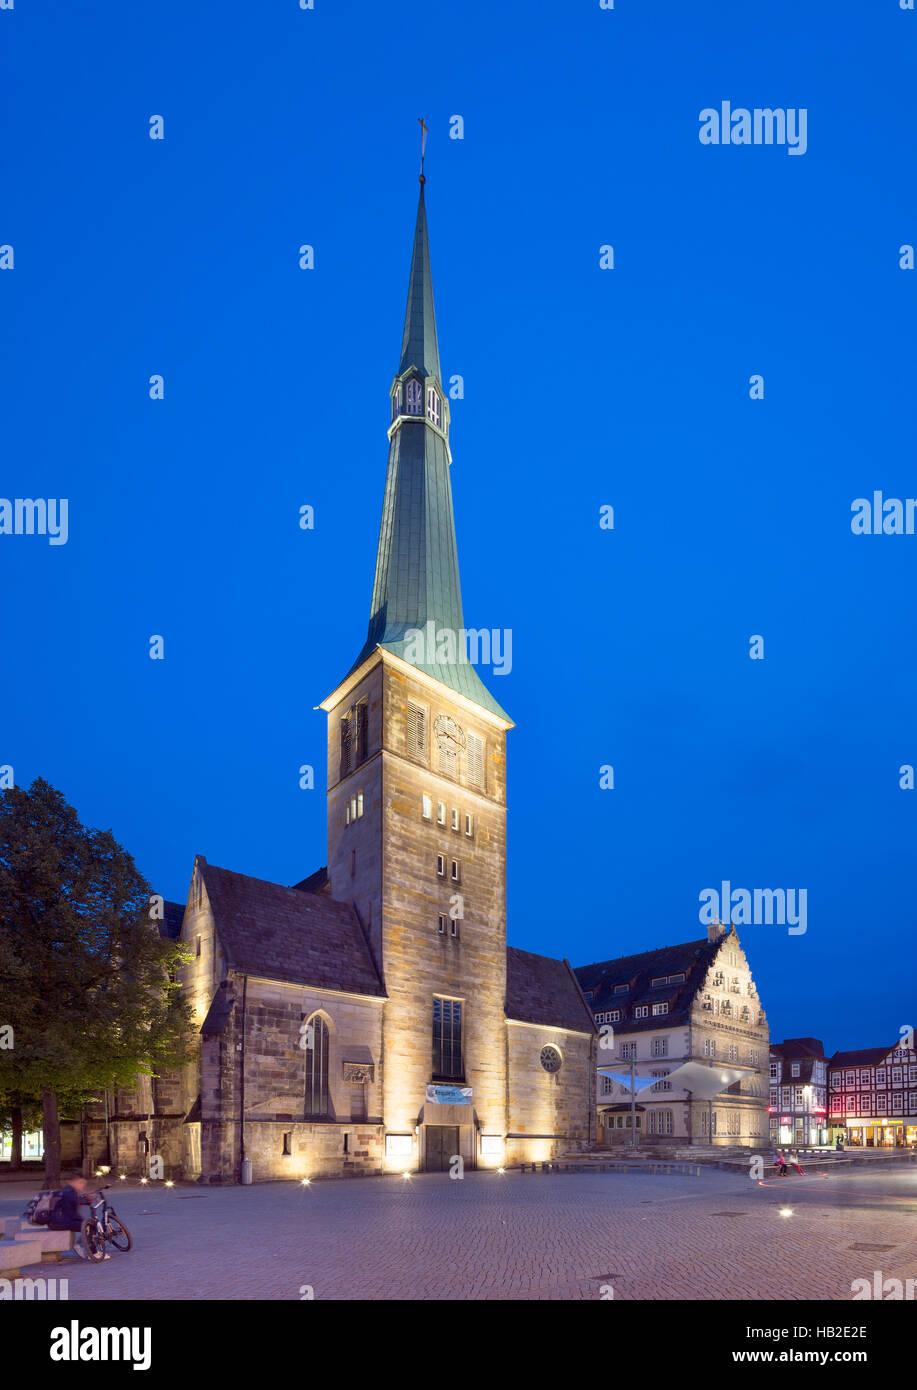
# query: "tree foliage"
86,979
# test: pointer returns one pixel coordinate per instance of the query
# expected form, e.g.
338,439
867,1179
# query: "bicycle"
104,1226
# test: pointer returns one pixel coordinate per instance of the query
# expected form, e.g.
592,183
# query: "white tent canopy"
703,1082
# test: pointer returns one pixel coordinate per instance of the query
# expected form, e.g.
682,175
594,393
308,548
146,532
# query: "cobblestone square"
569,1236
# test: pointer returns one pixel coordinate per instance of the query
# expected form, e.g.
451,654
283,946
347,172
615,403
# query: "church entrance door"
442,1144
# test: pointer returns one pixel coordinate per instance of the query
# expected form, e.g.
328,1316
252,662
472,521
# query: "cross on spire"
423,143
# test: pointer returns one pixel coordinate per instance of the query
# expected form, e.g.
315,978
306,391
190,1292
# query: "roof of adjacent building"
796,1049
289,934
540,989
861,1057
692,958
171,921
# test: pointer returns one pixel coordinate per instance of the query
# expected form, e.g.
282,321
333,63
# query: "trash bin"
246,1172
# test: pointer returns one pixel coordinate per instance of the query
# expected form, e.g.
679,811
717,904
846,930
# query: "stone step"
14,1255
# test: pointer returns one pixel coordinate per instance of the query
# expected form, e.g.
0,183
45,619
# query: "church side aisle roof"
288,934
542,990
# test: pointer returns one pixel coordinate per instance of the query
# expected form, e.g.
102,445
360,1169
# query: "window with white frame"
427,804
660,1047
661,1084
433,408
414,397
607,1085
628,1052
469,824
455,818
440,813
642,1011
660,1009
441,865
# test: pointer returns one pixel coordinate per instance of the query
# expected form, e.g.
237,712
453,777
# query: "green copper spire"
419,347
416,586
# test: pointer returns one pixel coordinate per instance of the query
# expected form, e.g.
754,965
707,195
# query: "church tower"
417,793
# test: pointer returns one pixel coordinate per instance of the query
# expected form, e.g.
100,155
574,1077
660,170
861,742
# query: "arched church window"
398,399
318,1101
433,412
415,397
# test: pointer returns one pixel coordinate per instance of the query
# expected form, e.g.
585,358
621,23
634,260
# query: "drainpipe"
244,1164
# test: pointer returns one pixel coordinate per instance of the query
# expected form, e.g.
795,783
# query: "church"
371,1018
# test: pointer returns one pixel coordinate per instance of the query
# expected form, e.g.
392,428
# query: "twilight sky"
583,387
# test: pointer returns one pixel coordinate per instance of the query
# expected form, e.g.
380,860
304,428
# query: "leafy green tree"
86,980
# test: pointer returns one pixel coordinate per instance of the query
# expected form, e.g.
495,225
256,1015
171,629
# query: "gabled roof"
691,958
288,934
862,1057
795,1049
542,990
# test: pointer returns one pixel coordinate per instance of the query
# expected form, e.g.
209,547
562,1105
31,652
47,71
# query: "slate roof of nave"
288,934
311,939
542,990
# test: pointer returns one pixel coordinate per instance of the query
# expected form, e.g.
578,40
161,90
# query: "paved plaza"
515,1236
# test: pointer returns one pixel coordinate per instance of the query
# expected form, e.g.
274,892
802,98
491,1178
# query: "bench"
22,1244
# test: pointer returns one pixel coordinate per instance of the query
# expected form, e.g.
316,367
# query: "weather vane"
423,144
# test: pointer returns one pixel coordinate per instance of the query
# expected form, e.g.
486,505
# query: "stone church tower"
371,1018
416,782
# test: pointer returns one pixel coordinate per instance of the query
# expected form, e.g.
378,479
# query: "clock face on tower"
449,735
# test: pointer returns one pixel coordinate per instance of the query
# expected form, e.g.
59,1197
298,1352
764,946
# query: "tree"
86,979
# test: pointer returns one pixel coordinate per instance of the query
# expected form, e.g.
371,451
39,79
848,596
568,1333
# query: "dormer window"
415,397
433,405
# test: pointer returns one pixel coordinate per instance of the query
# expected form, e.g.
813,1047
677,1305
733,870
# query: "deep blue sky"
583,387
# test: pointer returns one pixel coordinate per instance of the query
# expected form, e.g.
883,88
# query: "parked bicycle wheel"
94,1242
118,1234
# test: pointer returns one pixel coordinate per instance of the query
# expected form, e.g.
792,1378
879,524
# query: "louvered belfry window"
475,761
317,1097
345,746
417,730
361,730
354,738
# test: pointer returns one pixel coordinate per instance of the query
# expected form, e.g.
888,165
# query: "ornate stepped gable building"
691,1003
873,1095
372,1017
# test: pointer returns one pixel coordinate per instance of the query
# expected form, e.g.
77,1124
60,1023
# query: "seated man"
65,1214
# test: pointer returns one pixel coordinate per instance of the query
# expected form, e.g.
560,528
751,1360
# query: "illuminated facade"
695,1002
797,1094
371,1018
873,1095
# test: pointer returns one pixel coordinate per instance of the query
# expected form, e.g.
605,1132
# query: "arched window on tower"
415,397
433,405
318,1100
397,400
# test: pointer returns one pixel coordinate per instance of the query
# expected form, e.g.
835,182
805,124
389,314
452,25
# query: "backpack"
38,1212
